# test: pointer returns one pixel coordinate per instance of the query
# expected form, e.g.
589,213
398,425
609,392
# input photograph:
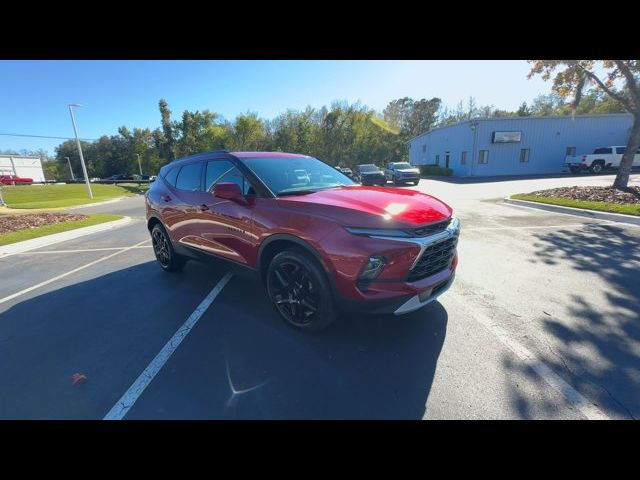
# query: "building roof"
530,117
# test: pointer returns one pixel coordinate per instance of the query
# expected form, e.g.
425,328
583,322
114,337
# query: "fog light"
373,268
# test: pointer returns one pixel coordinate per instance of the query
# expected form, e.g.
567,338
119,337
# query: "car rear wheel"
300,291
575,169
168,259
597,167
396,181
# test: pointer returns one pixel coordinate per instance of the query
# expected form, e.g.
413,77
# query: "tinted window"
602,151
368,168
621,150
189,177
171,176
215,169
235,176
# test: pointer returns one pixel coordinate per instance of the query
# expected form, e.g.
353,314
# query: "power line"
44,136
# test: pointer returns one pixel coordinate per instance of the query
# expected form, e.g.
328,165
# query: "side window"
215,170
171,176
621,150
235,176
602,151
189,177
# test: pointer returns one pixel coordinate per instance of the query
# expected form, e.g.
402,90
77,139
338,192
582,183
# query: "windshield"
368,168
402,165
292,176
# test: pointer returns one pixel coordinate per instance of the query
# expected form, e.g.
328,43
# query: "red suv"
319,241
14,180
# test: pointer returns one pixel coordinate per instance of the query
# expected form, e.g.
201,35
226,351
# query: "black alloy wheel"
168,259
300,291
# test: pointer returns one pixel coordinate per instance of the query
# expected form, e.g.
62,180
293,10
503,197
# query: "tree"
524,110
572,78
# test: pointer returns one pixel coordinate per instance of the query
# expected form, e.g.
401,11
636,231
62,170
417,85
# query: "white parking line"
128,399
535,227
70,272
575,398
105,249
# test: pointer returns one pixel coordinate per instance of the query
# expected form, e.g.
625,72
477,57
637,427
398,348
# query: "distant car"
345,170
120,177
402,172
15,180
369,174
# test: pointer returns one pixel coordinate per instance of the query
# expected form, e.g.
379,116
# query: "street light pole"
139,164
84,167
70,169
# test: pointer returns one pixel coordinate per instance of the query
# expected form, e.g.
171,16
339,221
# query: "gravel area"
630,196
11,223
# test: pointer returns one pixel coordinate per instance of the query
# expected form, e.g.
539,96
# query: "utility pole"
139,164
84,167
70,169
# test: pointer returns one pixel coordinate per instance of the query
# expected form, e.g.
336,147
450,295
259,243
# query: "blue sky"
34,94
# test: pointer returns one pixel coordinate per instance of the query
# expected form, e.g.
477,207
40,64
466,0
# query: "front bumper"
414,303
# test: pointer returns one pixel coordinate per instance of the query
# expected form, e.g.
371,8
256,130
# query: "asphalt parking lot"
542,322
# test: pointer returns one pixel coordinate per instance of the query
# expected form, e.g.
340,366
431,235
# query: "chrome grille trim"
453,230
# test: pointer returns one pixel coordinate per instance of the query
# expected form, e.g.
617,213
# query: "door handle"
166,198
203,208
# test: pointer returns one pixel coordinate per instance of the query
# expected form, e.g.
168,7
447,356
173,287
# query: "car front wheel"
168,259
300,291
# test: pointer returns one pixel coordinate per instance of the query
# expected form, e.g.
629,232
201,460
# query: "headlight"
377,232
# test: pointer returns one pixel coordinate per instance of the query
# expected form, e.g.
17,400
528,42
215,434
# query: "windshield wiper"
303,191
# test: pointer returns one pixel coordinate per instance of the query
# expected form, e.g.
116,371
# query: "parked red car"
14,180
319,241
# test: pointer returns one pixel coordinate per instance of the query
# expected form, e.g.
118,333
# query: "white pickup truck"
601,158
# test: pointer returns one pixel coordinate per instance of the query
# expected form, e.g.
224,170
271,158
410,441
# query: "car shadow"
240,360
598,346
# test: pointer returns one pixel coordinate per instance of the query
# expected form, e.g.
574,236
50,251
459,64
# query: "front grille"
434,259
429,229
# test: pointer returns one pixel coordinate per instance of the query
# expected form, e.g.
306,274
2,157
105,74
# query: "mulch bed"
629,196
11,223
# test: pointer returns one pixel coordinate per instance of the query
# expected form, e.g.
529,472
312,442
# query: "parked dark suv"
370,174
318,241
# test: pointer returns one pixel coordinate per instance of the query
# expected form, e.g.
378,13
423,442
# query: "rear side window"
621,150
171,176
602,151
189,177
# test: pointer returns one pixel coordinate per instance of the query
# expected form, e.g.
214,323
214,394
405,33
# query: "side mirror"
229,191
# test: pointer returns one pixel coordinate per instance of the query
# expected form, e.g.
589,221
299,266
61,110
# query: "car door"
180,207
225,227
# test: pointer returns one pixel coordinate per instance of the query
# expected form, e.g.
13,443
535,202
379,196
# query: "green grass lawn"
57,196
29,233
567,202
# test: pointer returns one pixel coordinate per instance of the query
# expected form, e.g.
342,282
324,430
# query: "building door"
447,156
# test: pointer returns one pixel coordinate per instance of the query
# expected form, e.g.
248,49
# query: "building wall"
547,139
30,167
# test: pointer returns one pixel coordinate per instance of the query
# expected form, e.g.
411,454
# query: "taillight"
584,158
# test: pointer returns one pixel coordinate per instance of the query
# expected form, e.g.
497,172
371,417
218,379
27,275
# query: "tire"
416,182
395,180
575,169
596,167
163,249
295,280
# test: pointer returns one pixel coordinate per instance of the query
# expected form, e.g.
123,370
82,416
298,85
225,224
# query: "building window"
437,159
424,148
524,155
463,158
571,151
484,157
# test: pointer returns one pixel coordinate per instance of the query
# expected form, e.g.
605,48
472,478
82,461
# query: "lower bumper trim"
414,303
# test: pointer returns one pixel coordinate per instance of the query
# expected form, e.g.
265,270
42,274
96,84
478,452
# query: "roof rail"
200,154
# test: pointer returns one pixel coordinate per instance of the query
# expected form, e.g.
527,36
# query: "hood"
372,207
377,172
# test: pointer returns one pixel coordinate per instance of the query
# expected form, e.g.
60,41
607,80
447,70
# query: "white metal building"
517,145
29,167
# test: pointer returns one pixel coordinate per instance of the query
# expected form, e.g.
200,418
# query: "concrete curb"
97,204
612,217
21,247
